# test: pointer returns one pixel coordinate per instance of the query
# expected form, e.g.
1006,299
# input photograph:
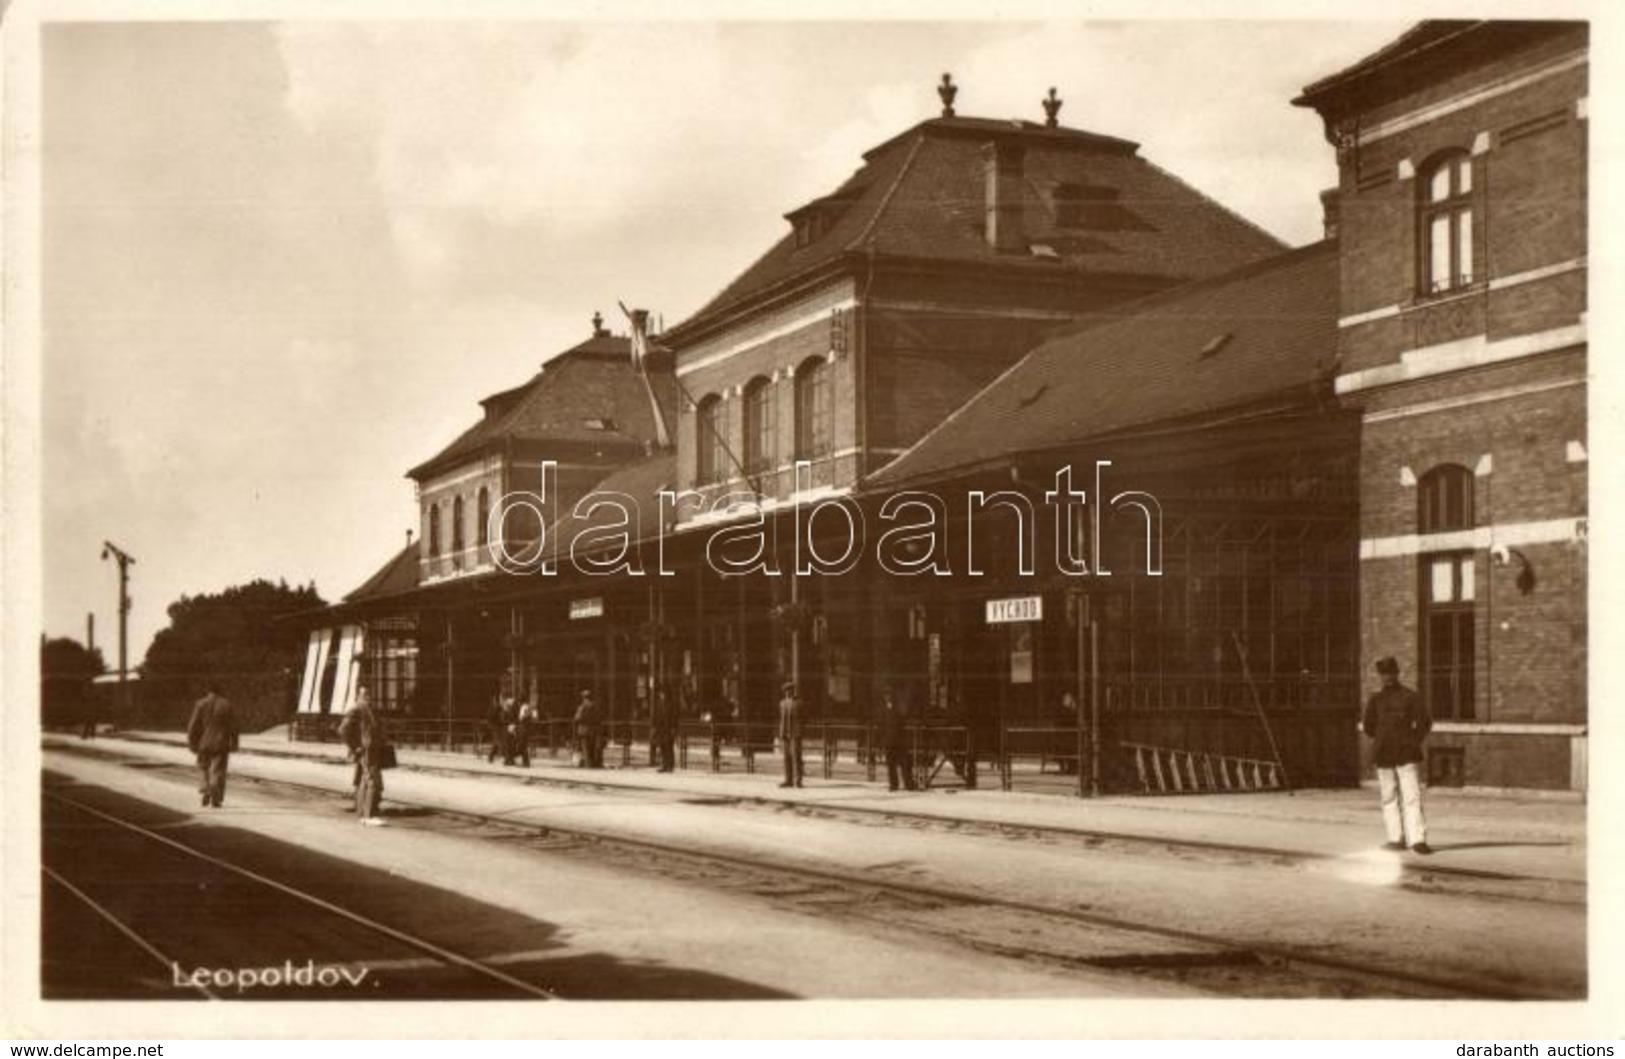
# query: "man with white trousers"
1397,722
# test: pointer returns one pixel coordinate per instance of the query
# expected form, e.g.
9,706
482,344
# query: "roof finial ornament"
598,324
946,92
1052,107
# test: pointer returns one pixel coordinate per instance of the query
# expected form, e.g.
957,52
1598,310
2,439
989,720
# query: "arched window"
434,530
1447,223
457,526
1444,499
758,425
711,425
483,512
815,411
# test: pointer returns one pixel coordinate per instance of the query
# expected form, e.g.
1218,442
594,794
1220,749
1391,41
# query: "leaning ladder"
1166,770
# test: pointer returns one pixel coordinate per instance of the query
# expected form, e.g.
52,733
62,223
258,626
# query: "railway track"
987,922
1428,876
480,978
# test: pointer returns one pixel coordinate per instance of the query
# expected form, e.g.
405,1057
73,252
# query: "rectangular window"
1448,647
1464,247
1444,581
1439,258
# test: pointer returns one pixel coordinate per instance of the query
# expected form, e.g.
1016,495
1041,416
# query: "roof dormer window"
813,221
1093,207
808,227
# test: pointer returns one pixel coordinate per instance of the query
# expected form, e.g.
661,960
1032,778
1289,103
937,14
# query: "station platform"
1533,835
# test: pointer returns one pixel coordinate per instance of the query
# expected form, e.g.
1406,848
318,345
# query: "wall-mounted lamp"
1526,572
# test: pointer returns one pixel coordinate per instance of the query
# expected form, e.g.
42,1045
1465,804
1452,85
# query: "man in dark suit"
790,736
894,740
212,735
663,731
589,722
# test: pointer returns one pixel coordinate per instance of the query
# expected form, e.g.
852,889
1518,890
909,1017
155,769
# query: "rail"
1031,758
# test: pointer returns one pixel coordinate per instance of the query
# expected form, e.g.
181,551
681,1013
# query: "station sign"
587,608
1020,608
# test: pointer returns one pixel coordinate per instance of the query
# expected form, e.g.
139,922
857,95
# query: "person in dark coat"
364,732
497,721
212,735
663,732
589,721
87,698
790,720
1066,719
522,729
894,739
1396,719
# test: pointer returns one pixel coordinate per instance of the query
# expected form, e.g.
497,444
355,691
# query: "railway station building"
1174,486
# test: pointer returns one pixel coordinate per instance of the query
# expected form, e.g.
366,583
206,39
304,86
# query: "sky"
283,261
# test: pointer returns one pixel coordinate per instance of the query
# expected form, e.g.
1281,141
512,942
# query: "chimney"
1002,165
1330,210
408,538
598,325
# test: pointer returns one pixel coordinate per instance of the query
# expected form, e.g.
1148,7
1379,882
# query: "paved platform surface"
1534,835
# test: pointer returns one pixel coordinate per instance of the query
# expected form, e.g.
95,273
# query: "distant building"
1461,214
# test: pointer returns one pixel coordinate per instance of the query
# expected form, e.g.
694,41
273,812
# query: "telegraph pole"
125,561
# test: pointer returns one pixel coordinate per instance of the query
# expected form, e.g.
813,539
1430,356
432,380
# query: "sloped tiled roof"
921,194
1419,38
1206,348
398,575
641,481
589,393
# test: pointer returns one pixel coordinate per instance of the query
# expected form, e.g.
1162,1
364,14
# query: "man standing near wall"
1397,722
212,735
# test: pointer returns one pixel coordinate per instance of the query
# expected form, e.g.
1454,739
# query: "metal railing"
1024,758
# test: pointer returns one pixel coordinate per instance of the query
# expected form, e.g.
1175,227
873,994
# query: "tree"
66,670
232,639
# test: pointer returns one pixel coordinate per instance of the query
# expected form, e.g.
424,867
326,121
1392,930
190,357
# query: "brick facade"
1484,369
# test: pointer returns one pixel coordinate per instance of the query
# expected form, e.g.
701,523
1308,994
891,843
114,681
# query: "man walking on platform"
1397,722
212,735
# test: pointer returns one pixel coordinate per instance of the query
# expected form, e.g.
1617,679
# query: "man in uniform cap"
1397,722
